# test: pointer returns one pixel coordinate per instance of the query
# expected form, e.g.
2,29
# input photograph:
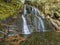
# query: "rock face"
30,22
54,22
7,0
19,22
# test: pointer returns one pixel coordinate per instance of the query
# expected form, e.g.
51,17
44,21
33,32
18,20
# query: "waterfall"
25,26
25,11
39,22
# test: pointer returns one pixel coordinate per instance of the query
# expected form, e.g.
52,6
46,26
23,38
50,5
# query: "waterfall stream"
25,27
38,22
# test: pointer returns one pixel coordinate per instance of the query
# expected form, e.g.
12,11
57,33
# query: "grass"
47,38
42,38
2,43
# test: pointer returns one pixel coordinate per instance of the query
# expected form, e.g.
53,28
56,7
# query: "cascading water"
25,26
39,22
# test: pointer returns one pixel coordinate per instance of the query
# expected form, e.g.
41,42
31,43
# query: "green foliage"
9,9
46,6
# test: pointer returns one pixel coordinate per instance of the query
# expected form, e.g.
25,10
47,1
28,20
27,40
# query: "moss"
46,38
1,35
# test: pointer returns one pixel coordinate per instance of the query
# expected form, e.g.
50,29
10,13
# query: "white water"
40,22
25,27
23,1
25,11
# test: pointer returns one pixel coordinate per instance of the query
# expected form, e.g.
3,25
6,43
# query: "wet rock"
7,0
